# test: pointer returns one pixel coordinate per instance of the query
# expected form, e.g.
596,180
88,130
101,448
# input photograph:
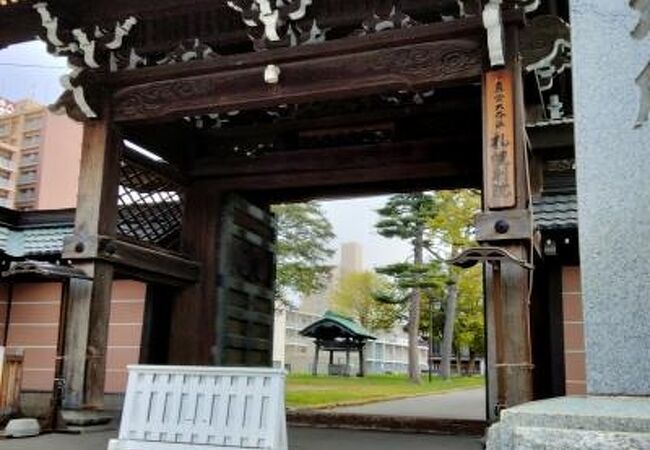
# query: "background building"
40,169
387,354
8,157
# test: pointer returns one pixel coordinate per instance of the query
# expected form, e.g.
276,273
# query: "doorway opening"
342,313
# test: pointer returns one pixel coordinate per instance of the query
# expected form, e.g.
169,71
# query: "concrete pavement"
299,439
468,404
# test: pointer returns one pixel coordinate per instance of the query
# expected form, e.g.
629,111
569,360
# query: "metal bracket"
474,255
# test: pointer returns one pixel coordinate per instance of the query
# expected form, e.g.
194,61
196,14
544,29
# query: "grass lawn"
306,391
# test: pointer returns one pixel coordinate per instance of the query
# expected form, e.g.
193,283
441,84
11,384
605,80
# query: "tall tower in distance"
351,254
351,258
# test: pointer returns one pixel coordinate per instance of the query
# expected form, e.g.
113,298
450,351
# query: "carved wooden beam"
298,175
412,59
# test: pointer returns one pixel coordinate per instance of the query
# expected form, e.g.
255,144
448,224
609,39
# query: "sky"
27,70
354,220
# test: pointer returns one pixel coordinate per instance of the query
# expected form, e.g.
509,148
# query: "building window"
31,140
6,162
27,176
33,123
29,158
26,195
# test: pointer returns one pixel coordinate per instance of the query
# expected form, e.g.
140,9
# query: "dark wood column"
193,314
154,344
506,223
89,305
362,363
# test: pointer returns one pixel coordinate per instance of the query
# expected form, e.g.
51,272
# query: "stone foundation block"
574,423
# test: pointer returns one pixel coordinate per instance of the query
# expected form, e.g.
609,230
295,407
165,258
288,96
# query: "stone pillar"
611,99
611,76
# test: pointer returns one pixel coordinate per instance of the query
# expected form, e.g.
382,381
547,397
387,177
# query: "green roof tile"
347,324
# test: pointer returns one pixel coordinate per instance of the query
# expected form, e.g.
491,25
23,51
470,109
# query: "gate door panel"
246,281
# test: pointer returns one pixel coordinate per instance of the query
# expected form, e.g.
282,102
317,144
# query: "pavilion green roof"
333,324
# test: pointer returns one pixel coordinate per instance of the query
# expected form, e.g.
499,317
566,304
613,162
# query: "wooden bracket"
507,225
137,260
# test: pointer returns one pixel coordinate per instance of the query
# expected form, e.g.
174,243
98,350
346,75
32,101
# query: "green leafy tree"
452,230
405,217
470,322
304,245
355,294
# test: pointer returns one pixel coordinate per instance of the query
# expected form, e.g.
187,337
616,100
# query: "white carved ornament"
277,20
394,21
546,69
87,52
493,23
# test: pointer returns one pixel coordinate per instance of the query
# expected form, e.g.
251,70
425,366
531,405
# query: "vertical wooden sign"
499,145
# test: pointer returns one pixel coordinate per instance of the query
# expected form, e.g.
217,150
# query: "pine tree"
405,216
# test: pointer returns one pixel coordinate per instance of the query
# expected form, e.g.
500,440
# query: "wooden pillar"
193,317
314,370
506,223
362,368
154,344
89,306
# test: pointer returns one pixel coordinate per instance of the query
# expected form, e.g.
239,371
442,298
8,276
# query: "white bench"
202,408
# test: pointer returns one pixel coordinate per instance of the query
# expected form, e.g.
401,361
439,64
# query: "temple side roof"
556,211
34,233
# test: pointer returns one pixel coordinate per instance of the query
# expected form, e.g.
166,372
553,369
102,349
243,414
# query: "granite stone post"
611,78
613,170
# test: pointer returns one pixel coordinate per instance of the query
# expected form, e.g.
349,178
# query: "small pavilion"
338,333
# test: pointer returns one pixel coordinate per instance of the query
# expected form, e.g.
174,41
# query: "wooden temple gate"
250,102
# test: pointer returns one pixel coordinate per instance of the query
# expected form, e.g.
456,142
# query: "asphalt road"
299,439
467,404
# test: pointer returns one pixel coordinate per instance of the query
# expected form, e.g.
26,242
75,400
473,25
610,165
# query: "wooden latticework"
150,205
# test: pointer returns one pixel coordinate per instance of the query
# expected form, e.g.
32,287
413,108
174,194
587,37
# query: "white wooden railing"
191,408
